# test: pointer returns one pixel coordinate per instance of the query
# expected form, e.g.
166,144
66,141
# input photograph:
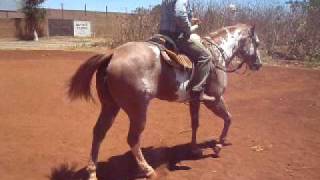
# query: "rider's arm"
183,16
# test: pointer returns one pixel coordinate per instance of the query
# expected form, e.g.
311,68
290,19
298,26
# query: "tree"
34,16
306,43
313,24
315,3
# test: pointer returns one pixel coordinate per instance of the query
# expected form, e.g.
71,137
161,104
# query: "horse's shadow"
124,167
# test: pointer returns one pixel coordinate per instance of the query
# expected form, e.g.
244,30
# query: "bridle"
223,54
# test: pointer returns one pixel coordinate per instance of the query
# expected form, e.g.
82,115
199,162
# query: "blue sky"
100,5
116,5
129,5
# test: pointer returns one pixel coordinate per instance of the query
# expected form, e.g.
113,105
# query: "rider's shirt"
176,16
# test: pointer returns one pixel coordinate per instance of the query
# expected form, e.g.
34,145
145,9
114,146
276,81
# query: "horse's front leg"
220,109
194,113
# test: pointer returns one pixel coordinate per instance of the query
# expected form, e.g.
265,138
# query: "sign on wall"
82,28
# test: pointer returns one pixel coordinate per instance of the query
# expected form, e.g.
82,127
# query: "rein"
222,52
233,70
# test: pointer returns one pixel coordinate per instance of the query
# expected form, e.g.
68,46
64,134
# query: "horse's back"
133,54
133,71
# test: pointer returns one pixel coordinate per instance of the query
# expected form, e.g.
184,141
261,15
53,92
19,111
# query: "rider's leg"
202,62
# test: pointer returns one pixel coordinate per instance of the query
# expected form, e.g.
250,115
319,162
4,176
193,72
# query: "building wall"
10,24
103,25
11,28
10,14
60,27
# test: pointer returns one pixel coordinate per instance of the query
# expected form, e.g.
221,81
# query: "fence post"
85,9
62,11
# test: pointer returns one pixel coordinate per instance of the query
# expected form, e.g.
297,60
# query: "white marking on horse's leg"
91,168
259,57
147,170
156,50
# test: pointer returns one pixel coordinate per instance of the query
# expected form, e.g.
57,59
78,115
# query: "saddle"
170,53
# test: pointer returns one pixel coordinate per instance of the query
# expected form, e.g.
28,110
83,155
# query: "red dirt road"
275,131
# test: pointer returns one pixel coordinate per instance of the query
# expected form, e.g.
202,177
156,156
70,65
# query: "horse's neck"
230,44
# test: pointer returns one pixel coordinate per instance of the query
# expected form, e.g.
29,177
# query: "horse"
130,76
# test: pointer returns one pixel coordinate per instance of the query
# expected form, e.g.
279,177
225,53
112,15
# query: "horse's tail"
80,83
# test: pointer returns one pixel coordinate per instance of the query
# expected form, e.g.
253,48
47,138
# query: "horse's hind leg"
220,109
104,123
137,116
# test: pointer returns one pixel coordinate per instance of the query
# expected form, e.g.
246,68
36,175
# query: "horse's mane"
218,33
224,31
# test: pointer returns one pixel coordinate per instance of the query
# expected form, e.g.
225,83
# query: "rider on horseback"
176,22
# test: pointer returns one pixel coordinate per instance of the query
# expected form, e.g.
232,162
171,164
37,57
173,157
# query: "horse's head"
248,48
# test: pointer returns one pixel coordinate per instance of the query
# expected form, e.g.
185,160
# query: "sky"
100,5
129,5
114,5
9,4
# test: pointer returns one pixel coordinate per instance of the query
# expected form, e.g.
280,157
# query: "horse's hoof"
217,149
196,152
225,143
147,173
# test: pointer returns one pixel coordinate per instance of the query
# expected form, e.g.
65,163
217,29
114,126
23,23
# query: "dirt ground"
53,43
275,131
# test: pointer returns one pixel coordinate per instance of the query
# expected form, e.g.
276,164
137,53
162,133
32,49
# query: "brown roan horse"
131,75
